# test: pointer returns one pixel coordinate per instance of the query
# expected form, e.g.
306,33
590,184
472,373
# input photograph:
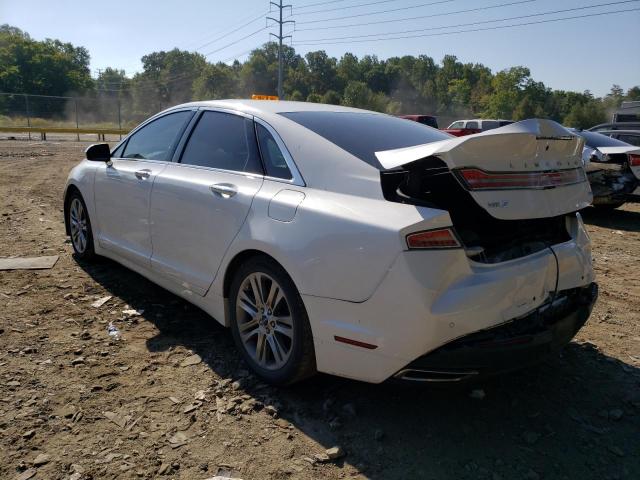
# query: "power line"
237,55
432,15
376,13
235,41
190,44
531,15
232,31
318,3
346,7
499,27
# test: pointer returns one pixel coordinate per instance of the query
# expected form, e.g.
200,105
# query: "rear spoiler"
537,129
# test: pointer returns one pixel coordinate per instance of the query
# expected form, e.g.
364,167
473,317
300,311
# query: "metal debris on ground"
28,263
101,301
113,331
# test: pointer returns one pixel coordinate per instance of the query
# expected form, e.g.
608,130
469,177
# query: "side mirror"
98,152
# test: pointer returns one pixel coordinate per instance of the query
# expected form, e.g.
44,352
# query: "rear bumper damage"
509,346
611,184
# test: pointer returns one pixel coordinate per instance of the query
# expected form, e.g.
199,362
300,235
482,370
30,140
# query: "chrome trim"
221,170
293,168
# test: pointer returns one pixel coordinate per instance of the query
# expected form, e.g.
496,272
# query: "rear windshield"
363,134
595,140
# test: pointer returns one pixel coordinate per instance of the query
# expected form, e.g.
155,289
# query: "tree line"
397,85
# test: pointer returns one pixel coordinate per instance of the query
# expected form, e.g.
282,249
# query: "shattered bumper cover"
510,346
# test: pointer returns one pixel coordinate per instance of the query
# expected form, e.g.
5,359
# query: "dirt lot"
75,403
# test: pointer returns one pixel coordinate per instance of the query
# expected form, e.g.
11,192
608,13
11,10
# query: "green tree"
322,71
48,67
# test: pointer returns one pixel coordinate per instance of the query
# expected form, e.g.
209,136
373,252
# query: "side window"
225,141
156,140
489,125
117,153
274,161
472,124
457,125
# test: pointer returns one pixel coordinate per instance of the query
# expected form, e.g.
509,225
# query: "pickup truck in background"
460,128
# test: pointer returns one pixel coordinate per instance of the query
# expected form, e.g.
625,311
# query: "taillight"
440,238
477,179
634,160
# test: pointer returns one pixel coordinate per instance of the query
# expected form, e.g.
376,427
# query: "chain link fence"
81,113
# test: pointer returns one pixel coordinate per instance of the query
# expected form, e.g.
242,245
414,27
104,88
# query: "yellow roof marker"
264,97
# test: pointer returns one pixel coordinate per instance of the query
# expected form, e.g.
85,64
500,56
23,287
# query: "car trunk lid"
527,170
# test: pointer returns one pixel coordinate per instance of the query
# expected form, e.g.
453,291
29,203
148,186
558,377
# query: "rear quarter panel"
336,246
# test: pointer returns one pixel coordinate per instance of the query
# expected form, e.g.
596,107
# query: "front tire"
80,227
270,324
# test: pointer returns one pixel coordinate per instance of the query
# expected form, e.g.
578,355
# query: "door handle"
225,190
143,174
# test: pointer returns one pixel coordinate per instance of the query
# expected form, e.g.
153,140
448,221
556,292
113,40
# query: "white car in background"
349,242
613,169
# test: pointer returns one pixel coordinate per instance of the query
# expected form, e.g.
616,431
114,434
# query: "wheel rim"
78,225
264,321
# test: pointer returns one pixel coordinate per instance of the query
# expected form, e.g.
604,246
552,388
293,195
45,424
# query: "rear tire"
269,323
609,206
80,227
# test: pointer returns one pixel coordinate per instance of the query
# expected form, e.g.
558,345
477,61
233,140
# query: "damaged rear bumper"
510,346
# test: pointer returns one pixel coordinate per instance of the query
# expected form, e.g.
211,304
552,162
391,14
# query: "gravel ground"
172,399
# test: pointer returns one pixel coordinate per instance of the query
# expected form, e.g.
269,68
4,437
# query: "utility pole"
280,22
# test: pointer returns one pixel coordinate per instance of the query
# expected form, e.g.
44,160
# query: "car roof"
270,106
617,126
483,120
625,132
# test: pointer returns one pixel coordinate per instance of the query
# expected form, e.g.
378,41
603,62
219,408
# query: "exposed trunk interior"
430,183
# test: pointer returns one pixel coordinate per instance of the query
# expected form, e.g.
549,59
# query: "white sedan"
349,242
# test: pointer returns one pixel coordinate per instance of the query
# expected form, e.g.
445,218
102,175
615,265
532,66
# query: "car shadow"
574,416
615,219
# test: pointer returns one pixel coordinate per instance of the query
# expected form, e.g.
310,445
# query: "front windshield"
364,134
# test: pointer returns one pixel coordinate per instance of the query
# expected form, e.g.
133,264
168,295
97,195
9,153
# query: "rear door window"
472,124
630,139
225,141
273,159
158,139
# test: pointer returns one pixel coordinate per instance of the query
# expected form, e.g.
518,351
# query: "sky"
588,53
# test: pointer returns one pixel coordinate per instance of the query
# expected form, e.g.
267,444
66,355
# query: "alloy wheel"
265,324
78,225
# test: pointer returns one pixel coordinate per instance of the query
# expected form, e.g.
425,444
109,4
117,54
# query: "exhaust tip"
417,375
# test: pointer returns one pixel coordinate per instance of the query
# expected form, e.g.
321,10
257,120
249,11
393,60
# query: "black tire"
301,362
87,253
608,206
